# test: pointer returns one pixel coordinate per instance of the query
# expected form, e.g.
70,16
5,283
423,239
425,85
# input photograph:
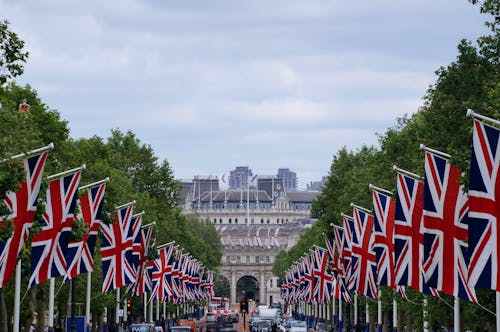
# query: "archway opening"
247,286
221,286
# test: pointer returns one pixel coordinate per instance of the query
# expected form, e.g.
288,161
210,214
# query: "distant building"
289,178
317,185
239,177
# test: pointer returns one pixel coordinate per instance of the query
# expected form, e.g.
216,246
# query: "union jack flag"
49,246
340,248
364,264
384,208
177,285
409,234
161,274
80,254
322,279
22,208
116,251
143,279
347,252
307,272
484,208
445,229
135,235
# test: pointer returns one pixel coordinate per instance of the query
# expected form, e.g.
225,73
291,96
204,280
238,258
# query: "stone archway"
247,286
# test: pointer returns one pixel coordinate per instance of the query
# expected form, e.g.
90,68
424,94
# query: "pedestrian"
274,328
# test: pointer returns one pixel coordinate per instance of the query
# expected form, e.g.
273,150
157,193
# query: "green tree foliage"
469,82
12,55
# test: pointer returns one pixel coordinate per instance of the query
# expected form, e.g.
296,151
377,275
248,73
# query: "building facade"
254,224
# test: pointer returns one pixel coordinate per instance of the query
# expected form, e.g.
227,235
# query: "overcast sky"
213,84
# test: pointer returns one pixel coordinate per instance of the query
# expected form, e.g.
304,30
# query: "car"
298,326
189,323
180,328
263,325
235,317
158,328
143,327
211,317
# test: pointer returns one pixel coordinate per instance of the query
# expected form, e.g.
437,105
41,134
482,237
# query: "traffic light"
128,303
243,305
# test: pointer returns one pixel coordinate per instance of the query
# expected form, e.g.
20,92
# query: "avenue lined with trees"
135,174
469,82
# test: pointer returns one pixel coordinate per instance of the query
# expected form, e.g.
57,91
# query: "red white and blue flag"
135,235
161,274
383,211
364,264
49,246
322,278
116,251
143,278
349,277
80,254
484,208
445,229
22,208
409,234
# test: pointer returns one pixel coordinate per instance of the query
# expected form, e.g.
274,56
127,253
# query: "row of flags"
124,243
433,237
269,241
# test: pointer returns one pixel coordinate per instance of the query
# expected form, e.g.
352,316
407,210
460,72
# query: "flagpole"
394,315
425,323
456,314
405,172
144,305
379,311
356,310
94,184
367,315
87,304
17,296
498,310
51,304
117,310
475,115
68,172
248,201
436,152
30,153
341,322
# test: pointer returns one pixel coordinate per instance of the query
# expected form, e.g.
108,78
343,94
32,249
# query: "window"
268,220
215,220
248,259
251,220
267,259
230,221
238,259
257,259
220,221
235,220
262,221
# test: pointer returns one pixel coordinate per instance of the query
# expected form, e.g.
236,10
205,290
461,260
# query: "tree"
12,55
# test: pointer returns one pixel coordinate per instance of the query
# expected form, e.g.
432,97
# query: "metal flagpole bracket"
125,205
410,174
375,188
165,245
30,153
148,225
139,214
361,208
95,184
343,215
471,113
68,172
436,152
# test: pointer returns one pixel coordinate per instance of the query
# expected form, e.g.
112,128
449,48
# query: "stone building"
255,224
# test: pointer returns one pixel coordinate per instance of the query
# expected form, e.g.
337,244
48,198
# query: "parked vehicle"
298,326
143,327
